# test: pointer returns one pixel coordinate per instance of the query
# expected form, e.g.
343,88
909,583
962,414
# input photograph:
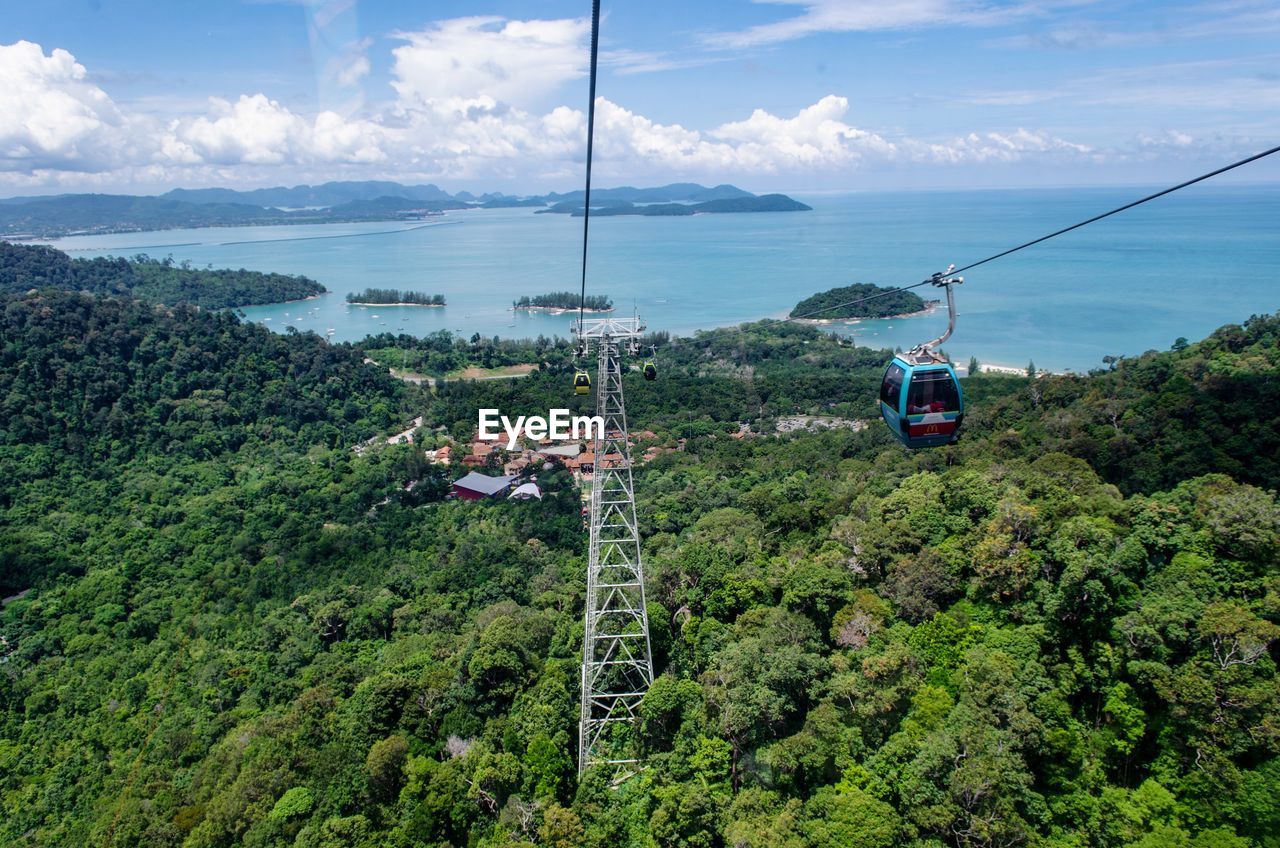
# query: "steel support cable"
591,125
1001,254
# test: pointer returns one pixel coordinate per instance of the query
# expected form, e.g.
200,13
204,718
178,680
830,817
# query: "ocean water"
1182,265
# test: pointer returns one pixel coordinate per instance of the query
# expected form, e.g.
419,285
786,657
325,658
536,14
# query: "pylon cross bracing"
617,663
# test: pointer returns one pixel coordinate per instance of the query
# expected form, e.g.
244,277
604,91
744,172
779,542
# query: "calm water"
1179,266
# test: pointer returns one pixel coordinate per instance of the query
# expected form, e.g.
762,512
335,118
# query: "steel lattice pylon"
617,665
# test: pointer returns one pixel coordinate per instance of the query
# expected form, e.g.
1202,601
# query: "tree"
846,815
1234,635
298,801
548,765
561,828
384,767
761,678
668,706
920,585
685,817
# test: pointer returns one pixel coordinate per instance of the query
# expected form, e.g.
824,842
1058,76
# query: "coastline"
282,302
930,307
984,368
367,303
560,310
46,238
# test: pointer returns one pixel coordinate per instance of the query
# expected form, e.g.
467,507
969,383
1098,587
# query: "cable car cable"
1003,253
591,123
1120,209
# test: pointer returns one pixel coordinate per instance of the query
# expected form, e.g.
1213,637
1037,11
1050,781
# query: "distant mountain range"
370,200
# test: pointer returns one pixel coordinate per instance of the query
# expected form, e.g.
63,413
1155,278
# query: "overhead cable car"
650,370
920,396
581,382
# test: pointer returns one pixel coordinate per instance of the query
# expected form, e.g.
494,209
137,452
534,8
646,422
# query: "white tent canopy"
525,491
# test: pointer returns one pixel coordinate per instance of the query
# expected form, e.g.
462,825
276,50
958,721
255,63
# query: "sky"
128,96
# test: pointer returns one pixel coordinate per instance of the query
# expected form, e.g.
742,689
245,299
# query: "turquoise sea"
1179,266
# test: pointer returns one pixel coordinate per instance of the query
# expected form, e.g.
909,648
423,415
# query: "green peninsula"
27,266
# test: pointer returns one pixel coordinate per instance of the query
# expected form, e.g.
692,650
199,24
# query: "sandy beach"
560,310
985,368
366,303
930,307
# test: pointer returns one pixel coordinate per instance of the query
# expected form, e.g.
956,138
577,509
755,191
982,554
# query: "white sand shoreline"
984,368
366,303
930,307
560,310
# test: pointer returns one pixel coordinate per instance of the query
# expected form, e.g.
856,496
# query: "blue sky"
793,95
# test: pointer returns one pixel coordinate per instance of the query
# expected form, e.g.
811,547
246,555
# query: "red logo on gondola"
940,428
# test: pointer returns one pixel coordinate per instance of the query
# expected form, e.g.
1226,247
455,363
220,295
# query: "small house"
475,486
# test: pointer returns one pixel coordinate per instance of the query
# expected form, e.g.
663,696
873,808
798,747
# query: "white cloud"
1173,138
51,116
1240,85
324,14
626,62
625,137
816,136
817,139
1198,22
258,131
350,64
998,147
474,101
519,63
873,15
355,71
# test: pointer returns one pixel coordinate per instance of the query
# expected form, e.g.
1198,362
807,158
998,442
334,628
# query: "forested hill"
60,215
331,203
241,631
24,267
98,378
1155,420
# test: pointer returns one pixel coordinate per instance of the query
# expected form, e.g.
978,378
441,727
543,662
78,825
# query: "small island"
836,303
751,203
393,297
564,301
